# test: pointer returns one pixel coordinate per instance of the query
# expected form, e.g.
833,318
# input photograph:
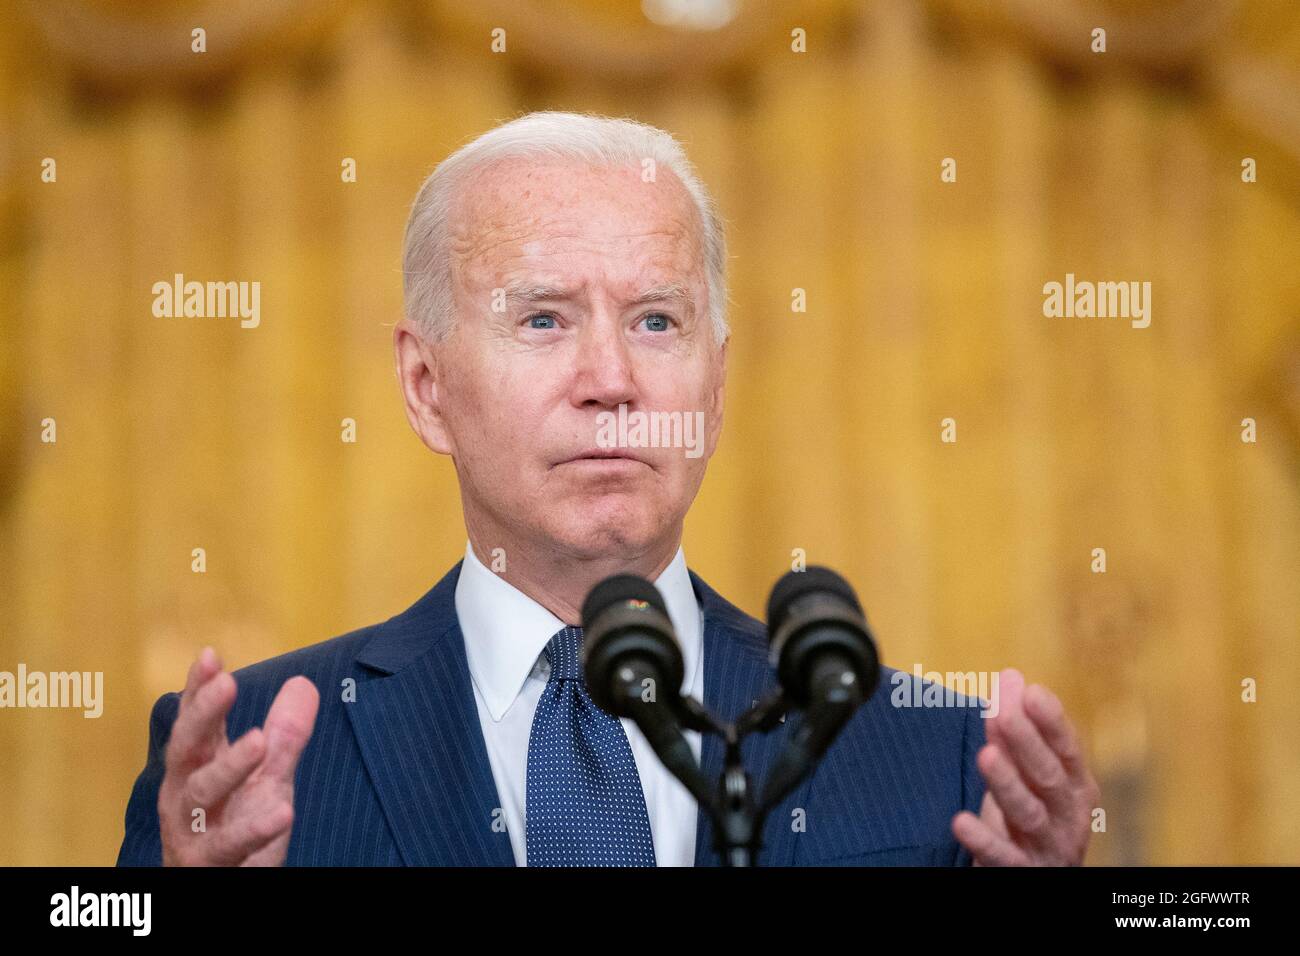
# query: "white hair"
598,140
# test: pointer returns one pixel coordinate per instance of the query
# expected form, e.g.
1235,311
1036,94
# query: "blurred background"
924,302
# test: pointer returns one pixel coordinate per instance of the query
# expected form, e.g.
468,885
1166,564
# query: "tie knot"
564,652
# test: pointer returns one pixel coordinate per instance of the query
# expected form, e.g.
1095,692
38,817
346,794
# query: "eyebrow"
666,292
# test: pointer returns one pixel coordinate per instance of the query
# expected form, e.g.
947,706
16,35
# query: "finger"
237,839
1020,806
289,726
986,846
202,669
991,814
1010,690
1037,763
213,782
1045,710
200,729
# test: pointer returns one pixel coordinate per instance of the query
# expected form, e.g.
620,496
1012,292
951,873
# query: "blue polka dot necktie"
583,804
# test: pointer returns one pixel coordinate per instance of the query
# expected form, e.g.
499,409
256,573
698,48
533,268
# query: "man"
558,269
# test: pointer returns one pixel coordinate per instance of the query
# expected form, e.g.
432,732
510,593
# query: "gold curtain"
924,302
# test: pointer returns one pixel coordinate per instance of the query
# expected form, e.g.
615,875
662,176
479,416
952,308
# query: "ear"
718,397
418,376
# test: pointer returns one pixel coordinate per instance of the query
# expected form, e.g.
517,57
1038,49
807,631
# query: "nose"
603,365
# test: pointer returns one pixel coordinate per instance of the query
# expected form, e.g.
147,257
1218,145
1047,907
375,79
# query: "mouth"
606,458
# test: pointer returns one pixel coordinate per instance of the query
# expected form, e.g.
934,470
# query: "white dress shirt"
505,632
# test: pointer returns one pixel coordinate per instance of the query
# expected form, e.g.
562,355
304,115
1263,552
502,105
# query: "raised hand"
244,789
1037,809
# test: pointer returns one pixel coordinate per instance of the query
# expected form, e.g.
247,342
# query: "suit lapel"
736,675
418,729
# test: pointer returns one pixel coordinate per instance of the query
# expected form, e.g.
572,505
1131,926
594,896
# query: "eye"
542,320
658,322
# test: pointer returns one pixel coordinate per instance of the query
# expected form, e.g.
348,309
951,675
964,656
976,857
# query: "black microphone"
633,667
826,662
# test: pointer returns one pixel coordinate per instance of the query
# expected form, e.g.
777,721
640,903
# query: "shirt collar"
505,630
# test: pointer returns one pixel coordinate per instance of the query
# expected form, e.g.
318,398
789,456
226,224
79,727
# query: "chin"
597,535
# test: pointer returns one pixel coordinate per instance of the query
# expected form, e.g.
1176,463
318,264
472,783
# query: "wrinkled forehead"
546,214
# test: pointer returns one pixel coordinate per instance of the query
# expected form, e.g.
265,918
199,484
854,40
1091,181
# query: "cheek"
689,390
499,417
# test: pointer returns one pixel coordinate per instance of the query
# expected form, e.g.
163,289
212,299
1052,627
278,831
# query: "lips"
605,454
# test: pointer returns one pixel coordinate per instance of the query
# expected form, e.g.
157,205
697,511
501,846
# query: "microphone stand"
737,812
824,656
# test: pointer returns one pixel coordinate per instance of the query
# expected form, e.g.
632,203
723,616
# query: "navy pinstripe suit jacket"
400,775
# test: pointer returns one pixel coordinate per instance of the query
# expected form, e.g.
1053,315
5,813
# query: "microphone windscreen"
616,590
795,584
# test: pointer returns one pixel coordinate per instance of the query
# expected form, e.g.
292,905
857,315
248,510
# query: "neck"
559,580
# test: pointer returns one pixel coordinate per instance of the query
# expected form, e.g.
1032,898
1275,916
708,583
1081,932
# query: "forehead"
521,216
